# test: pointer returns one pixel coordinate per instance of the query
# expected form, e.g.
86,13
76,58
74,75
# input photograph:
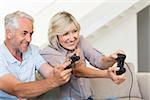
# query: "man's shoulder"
3,50
1,46
33,49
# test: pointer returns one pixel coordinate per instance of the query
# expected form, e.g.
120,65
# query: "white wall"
77,9
90,14
29,6
43,10
122,36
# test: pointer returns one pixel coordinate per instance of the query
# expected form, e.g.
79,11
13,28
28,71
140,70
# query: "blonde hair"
57,25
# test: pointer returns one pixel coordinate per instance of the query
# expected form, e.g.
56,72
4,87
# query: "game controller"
120,63
73,59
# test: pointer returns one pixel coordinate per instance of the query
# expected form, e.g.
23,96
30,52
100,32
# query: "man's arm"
9,84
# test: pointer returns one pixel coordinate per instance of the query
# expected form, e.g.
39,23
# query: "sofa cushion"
144,81
106,89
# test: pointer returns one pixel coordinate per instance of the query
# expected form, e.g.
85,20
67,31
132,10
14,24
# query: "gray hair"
11,19
58,24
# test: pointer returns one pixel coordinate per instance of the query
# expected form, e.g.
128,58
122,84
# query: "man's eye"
24,33
31,33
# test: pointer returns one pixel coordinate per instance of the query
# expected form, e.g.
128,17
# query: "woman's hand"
114,54
110,60
117,79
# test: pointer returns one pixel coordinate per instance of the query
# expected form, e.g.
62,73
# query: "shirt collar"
62,50
27,54
10,58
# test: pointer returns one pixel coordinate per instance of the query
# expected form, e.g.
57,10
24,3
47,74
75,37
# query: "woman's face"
70,39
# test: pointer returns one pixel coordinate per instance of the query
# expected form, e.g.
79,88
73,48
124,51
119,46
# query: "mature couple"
20,60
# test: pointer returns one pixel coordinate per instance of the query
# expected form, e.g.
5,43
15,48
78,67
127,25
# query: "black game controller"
73,59
120,63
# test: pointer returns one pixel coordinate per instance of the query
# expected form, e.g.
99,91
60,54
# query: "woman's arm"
83,71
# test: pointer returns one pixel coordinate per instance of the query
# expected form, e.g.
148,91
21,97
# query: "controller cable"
130,89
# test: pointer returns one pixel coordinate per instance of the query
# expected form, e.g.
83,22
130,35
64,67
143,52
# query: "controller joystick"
120,63
73,59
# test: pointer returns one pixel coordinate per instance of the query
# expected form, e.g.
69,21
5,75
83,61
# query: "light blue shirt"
23,71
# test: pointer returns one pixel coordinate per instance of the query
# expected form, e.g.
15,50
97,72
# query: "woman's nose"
71,36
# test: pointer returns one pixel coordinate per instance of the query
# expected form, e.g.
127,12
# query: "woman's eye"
66,33
75,30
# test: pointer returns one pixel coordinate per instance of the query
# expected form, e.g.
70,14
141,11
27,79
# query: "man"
19,61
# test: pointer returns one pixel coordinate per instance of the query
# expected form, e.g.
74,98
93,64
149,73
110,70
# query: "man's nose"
28,37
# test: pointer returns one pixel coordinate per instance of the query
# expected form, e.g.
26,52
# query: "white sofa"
105,89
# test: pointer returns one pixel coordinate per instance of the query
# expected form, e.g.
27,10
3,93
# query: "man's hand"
62,76
54,77
118,79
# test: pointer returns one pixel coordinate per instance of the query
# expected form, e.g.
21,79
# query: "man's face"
70,39
22,36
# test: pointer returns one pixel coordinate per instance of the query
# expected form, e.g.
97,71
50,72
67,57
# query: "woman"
64,41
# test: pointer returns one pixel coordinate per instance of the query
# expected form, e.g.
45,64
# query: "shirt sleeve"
92,55
53,57
38,59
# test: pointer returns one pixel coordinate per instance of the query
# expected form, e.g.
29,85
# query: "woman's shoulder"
47,49
83,41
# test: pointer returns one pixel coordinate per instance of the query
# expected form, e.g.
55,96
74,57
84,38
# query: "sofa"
135,87
105,89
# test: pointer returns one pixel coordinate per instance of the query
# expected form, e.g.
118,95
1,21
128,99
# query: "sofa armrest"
144,81
106,89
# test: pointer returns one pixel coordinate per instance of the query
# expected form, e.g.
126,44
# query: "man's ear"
9,33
